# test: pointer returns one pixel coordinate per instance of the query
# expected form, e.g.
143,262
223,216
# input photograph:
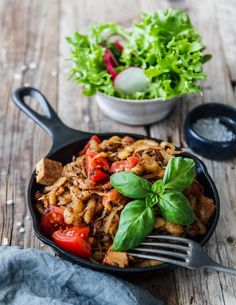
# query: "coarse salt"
17,76
21,230
86,119
212,129
18,224
32,65
9,202
23,68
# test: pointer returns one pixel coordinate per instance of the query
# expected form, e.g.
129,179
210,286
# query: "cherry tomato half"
83,232
132,161
118,166
71,241
89,157
95,138
52,221
124,165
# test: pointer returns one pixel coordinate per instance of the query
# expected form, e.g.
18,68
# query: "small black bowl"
207,148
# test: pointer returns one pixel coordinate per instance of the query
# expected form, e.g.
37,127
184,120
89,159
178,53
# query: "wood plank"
29,33
226,24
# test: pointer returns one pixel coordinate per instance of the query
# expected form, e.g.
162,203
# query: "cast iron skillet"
68,142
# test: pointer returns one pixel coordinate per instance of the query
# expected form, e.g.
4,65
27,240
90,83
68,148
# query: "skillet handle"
50,122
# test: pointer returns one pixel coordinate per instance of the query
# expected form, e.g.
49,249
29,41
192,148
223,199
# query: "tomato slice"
132,161
97,168
71,241
83,232
124,165
52,221
118,166
98,175
89,157
95,138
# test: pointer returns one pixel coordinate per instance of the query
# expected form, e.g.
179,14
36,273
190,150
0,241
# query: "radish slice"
115,37
110,63
119,46
131,80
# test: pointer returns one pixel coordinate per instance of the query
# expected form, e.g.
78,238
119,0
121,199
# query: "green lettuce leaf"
165,44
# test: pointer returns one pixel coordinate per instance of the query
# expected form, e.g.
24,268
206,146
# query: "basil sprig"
137,218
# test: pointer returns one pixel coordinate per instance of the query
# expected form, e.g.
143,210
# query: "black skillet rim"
111,269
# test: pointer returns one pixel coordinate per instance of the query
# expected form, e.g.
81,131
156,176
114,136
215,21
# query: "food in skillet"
114,193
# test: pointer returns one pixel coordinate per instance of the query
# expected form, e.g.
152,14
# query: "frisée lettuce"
164,44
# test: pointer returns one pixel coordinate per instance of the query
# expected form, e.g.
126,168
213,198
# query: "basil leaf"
136,222
179,173
130,185
151,199
175,208
158,187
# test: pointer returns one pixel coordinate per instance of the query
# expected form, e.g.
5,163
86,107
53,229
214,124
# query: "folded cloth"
34,277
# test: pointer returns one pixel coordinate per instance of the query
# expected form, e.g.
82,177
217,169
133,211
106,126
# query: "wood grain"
34,32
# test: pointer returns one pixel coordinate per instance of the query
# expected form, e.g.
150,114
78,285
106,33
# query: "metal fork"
178,251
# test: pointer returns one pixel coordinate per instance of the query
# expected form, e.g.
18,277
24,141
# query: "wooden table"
33,52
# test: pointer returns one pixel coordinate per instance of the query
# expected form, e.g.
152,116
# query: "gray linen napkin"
34,277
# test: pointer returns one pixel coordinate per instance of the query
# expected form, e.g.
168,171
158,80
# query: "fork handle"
218,267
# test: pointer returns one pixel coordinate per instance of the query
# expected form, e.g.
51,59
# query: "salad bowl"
134,112
137,73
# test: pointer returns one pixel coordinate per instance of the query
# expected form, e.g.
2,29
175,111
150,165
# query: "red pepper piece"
95,138
97,168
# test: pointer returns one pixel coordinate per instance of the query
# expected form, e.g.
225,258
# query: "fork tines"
165,248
